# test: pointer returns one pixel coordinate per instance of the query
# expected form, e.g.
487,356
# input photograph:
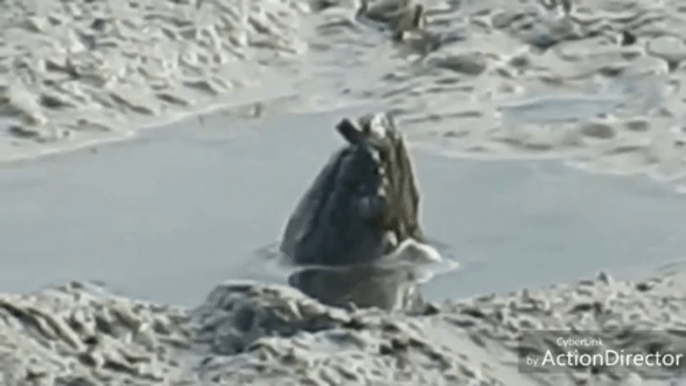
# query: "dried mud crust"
247,333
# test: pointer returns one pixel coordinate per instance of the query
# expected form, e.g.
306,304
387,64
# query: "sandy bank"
254,334
601,85
74,73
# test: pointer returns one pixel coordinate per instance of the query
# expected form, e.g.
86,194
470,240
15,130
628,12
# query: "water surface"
171,214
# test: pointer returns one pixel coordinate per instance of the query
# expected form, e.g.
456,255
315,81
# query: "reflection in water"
390,283
361,286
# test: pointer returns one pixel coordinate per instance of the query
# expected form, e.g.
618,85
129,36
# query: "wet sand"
601,84
251,333
79,73
167,216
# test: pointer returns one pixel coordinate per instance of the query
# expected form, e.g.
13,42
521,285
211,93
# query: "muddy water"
169,215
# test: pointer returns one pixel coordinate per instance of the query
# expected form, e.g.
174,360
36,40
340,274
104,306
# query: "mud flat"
615,69
73,74
247,333
599,83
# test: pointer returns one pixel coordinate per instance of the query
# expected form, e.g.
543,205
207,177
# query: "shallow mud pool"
167,216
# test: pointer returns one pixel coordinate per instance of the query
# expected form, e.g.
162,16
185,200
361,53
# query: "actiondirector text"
607,358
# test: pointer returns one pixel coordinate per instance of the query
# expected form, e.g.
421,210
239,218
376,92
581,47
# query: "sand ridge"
250,333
